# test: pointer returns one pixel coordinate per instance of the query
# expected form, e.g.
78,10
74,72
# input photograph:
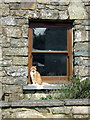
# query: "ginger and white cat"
35,76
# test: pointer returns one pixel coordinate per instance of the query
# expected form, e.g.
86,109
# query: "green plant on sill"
47,98
77,89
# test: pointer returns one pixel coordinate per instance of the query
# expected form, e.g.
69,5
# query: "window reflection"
49,39
50,64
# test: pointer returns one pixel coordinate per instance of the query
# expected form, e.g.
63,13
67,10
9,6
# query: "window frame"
51,79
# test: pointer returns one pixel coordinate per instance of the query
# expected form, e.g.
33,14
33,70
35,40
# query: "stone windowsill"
44,87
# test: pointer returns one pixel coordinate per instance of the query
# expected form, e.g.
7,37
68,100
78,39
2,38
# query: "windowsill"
44,87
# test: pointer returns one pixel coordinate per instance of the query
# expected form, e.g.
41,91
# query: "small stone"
81,35
63,15
17,71
80,110
12,32
86,22
87,28
49,14
25,30
14,81
28,5
21,21
60,110
82,49
9,20
82,70
14,6
20,61
15,51
0,53
1,30
5,9
19,42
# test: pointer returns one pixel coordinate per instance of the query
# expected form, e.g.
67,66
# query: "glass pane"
50,64
50,39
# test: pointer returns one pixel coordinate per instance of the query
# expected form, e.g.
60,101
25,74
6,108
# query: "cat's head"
33,69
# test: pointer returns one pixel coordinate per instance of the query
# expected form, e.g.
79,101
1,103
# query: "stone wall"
46,109
14,24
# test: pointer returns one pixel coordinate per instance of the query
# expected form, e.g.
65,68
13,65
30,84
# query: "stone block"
88,10
82,61
7,62
49,14
76,102
79,27
19,42
82,70
8,20
12,32
81,116
29,113
86,22
5,9
87,28
20,61
25,31
82,49
13,93
14,6
9,80
60,110
19,13
1,30
81,110
2,73
21,21
13,89
81,36
17,71
63,15
77,11
15,51
0,53
41,6
28,5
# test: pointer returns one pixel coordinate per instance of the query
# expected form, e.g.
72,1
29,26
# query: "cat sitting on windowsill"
36,77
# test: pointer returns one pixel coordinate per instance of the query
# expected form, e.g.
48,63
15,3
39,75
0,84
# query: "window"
50,49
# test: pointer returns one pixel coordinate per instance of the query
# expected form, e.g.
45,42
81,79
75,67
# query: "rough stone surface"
20,61
8,20
82,61
19,42
14,81
82,70
81,110
5,9
16,71
63,15
82,49
60,110
77,11
82,36
25,30
15,51
12,32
